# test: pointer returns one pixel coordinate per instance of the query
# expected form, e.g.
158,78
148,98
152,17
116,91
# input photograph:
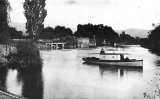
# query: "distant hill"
18,26
135,32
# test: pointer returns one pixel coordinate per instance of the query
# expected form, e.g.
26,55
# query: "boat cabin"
112,56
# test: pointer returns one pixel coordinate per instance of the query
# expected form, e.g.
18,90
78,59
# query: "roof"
112,53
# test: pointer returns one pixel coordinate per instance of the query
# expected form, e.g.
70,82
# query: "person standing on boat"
122,56
102,51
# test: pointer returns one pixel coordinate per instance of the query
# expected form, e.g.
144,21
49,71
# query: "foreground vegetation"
27,54
156,89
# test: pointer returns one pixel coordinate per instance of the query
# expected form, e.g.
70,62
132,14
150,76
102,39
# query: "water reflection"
32,83
120,82
12,84
23,81
3,74
121,72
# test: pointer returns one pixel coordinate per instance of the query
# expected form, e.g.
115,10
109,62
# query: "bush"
27,55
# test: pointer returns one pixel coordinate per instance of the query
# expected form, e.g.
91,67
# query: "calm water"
65,76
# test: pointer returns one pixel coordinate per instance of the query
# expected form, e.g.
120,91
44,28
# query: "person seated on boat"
102,51
126,58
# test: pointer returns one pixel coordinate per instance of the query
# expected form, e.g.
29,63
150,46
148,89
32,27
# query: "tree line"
99,32
153,40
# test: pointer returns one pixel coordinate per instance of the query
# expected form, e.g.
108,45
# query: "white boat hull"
132,63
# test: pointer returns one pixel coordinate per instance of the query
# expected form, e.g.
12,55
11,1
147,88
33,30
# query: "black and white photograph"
79,49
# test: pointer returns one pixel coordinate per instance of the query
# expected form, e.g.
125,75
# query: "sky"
118,14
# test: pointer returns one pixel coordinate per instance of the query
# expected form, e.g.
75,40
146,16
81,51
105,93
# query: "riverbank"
4,51
8,95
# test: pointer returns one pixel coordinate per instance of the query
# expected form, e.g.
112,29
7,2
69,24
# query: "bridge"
55,45
50,44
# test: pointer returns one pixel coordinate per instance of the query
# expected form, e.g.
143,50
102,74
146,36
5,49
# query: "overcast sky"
119,14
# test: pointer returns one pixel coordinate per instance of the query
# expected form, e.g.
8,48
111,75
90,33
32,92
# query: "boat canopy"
112,53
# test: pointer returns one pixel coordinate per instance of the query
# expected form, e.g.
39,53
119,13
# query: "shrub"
27,55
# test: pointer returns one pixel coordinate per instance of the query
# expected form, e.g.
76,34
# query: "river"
65,76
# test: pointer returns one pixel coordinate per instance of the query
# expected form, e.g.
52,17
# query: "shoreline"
8,95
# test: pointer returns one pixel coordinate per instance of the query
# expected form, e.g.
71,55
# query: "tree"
57,32
126,38
14,34
71,41
4,20
154,37
35,14
99,31
62,31
152,42
46,33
